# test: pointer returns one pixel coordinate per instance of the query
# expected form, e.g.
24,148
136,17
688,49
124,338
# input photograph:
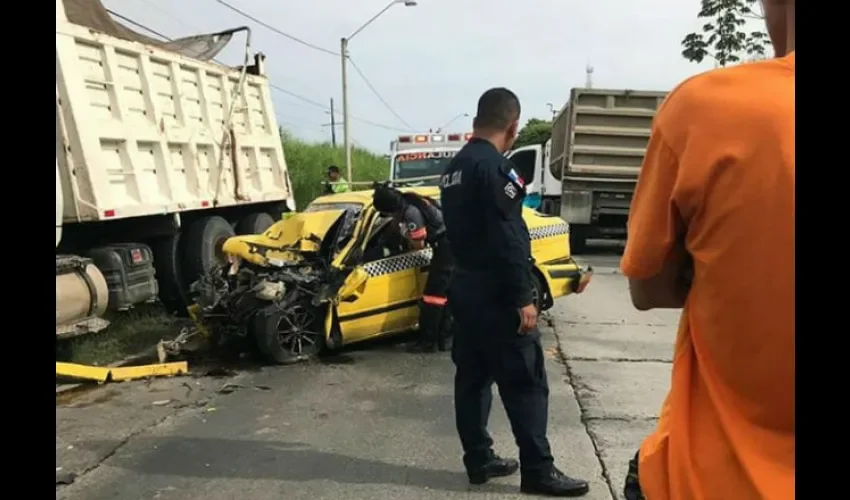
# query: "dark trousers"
488,349
433,316
632,490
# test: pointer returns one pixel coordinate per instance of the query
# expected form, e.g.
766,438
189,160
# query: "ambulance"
420,159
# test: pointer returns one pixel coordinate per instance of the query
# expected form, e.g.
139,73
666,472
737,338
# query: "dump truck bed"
603,134
141,130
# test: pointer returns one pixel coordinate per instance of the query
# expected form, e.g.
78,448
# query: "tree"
535,131
726,38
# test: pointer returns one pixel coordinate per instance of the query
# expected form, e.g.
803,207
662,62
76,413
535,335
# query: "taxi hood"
288,240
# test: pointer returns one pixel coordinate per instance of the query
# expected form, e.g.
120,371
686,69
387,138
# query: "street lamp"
441,127
344,56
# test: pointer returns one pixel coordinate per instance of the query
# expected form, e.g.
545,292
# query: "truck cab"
543,190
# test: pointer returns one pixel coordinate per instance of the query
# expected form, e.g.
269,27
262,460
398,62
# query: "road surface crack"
585,417
619,360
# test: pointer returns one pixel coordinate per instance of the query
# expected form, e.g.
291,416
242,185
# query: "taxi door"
382,296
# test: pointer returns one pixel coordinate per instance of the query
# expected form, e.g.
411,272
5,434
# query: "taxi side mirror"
354,285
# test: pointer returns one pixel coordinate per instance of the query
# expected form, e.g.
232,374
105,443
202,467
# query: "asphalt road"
371,424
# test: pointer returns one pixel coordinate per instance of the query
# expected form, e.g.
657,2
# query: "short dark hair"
333,169
497,109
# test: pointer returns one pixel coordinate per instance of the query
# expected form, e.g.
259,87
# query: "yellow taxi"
339,273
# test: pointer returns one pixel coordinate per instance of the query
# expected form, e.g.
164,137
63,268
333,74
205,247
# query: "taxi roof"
365,197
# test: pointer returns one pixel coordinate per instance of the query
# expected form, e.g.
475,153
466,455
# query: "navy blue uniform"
481,196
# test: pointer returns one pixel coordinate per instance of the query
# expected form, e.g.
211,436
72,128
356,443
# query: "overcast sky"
432,61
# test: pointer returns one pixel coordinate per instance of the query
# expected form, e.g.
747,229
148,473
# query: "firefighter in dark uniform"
490,296
420,221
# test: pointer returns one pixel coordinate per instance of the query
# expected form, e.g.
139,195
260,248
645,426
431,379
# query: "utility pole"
333,124
343,52
346,134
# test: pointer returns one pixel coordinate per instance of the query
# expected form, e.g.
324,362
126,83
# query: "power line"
169,14
138,25
279,32
273,86
377,94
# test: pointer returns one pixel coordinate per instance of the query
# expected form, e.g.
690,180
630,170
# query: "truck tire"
254,223
202,247
578,239
169,275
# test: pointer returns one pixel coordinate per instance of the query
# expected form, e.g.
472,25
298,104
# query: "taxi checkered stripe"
398,263
423,257
549,231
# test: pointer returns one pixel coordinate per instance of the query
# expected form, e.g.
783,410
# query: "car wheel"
536,292
288,336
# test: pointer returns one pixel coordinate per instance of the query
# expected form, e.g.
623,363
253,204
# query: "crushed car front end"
275,290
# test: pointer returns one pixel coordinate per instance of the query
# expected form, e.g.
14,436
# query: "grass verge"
308,165
129,333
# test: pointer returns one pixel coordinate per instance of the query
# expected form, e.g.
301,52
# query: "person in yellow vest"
336,182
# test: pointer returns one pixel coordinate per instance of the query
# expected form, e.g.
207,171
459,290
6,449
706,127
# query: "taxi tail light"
454,137
420,138
436,138
404,138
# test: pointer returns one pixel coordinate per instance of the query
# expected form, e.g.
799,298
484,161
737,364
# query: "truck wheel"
289,336
202,249
166,261
254,223
578,239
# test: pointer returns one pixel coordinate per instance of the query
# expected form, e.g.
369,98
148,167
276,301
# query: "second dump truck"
587,172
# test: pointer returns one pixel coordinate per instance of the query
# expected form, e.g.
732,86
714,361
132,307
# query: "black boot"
495,467
554,483
444,344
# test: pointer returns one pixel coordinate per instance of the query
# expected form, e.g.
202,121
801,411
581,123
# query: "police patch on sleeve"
510,190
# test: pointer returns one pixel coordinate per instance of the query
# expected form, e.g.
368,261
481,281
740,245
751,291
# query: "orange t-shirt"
719,175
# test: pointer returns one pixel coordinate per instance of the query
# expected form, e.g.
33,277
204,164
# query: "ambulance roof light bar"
432,138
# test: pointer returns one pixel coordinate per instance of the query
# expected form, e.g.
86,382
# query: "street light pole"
346,134
443,126
343,52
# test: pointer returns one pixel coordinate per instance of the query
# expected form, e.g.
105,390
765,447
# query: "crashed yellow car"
339,273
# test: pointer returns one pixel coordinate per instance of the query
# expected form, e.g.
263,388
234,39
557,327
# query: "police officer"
490,296
420,221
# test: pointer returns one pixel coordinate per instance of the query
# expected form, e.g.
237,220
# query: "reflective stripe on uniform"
434,300
418,234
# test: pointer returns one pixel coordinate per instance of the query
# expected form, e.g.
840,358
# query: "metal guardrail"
396,182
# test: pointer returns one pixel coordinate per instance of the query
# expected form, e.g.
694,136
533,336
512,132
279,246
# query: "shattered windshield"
321,207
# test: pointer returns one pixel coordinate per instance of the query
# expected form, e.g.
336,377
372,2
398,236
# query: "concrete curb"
66,388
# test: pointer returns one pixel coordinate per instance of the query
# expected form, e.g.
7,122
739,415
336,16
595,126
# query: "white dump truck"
161,155
587,172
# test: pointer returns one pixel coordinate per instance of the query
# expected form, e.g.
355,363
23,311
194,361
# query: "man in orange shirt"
711,230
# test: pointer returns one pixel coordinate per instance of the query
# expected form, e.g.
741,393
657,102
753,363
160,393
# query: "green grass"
308,165
128,334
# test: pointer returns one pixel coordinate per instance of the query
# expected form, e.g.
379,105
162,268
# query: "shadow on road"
215,458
